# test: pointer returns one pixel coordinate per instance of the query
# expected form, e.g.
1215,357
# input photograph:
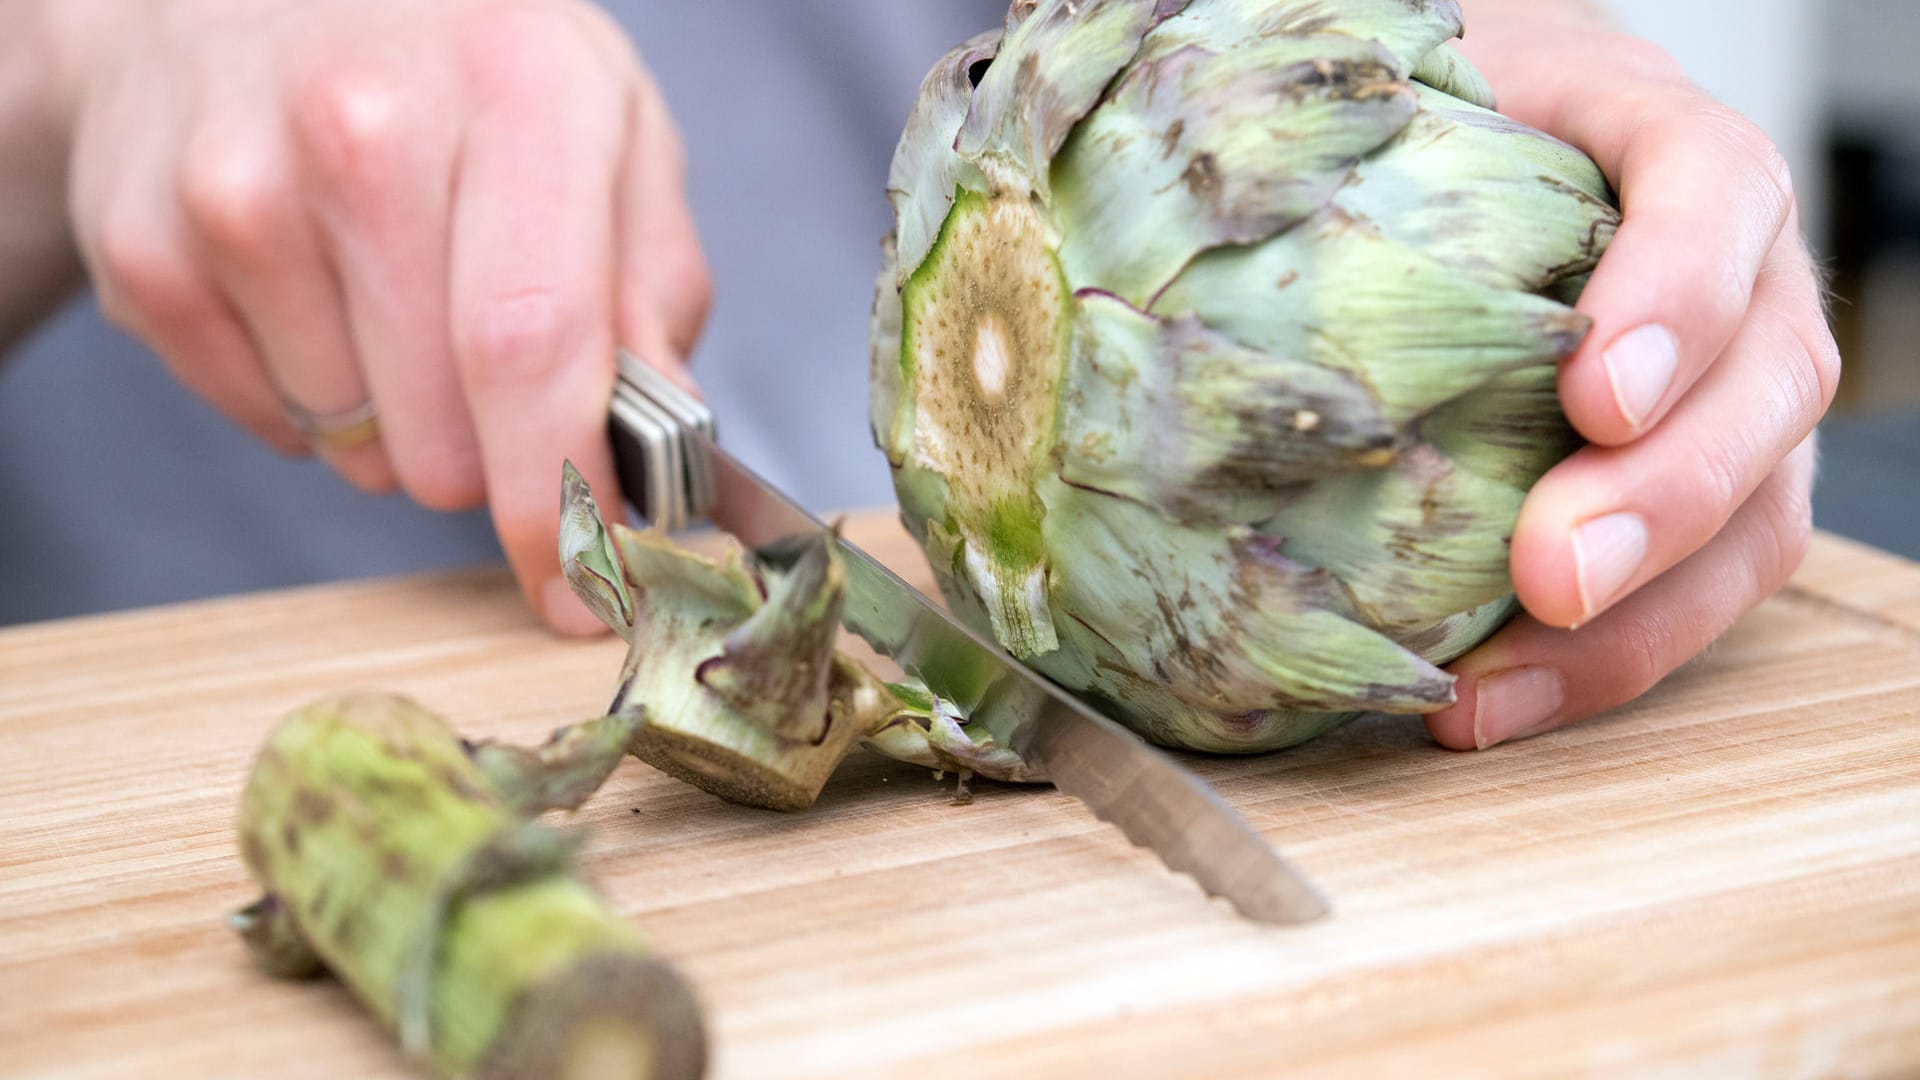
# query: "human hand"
449,208
1709,363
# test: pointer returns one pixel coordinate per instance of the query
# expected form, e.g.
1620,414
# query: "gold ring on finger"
341,430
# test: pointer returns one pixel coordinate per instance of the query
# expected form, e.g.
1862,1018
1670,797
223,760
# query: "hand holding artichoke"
1698,390
1214,351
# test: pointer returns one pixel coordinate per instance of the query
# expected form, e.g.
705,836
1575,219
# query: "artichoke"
407,861
1214,351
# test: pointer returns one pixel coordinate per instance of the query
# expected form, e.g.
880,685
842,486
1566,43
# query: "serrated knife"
675,474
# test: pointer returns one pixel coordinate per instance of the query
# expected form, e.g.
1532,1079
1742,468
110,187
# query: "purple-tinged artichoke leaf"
774,666
561,773
1050,71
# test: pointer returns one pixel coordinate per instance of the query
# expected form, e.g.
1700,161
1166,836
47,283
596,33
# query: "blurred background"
120,489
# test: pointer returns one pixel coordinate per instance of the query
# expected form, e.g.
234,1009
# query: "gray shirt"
119,488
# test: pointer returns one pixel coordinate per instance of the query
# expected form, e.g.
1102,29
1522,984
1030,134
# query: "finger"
237,194
130,231
665,289
379,172
532,304
1704,196
1609,519
1530,678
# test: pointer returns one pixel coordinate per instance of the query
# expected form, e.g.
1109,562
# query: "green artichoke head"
1214,351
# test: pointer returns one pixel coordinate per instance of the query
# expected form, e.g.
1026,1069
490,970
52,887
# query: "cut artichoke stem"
1222,384
389,858
735,666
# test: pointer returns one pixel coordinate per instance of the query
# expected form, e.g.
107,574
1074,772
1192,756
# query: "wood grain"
1721,879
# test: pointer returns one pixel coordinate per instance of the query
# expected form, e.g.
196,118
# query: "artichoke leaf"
1511,206
1510,430
1334,289
1408,29
773,667
1410,544
886,382
1051,69
1217,629
1447,71
589,558
1195,149
564,771
1170,413
921,181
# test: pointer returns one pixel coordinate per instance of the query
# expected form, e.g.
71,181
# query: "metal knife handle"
670,479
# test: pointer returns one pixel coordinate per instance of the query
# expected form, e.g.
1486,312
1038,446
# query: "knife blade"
1154,801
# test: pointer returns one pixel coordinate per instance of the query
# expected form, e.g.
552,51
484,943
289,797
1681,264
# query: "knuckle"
143,277
1793,541
1646,646
517,339
1766,167
1824,363
1775,172
1786,527
353,120
1802,383
1725,287
1721,475
231,195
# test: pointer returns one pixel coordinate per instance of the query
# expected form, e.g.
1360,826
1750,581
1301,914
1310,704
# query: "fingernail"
1640,365
564,611
1515,702
1607,552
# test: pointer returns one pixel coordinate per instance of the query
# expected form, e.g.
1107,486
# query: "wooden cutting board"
1722,879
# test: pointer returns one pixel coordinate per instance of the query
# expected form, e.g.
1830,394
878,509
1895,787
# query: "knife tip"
1289,907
